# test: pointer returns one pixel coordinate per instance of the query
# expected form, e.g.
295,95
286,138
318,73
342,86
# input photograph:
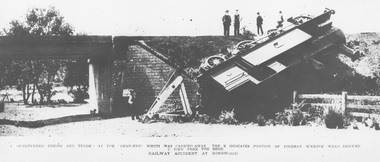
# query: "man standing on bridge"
280,21
226,24
237,23
259,23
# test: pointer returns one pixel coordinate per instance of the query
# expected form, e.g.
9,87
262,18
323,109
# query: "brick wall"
147,75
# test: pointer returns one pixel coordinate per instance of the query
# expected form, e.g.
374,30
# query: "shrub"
376,124
282,117
78,94
227,117
261,120
271,122
292,116
203,118
334,119
348,118
296,118
247,34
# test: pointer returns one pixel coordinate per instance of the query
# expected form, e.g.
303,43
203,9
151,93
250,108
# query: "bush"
376,125
79,94
261,120
247,34
348,118
282,118
297,118
203,118
291,117
227,117
334,119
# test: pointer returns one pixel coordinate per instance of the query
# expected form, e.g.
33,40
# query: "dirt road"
124,126
124,132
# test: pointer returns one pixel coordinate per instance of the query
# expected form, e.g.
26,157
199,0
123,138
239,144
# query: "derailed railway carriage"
257,76
241,79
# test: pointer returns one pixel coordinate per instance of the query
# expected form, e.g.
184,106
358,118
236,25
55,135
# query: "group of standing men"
227,23
237,19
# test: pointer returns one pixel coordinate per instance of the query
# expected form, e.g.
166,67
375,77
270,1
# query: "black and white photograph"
189,80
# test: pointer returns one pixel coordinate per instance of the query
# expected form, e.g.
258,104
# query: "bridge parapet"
54,47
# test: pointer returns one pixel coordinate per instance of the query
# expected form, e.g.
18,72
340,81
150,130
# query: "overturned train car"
254,78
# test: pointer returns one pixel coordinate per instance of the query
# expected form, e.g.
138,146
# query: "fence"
355,105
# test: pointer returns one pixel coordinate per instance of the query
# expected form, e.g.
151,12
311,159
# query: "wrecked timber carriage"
242,78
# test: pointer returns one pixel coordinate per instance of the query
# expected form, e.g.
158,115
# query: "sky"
190,17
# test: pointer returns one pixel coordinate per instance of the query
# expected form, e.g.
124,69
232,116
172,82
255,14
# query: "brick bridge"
145,71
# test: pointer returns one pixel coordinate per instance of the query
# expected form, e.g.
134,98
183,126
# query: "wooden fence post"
344,101
295,97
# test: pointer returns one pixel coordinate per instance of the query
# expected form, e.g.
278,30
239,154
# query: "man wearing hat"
226,24
237,23
280,21
131,101
259,23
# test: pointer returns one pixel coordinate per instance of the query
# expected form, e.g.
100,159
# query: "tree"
47,22
39,73
77,79
17,29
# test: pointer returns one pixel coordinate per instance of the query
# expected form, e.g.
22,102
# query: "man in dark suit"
259,23
237,20
280,21
226,24
132,104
